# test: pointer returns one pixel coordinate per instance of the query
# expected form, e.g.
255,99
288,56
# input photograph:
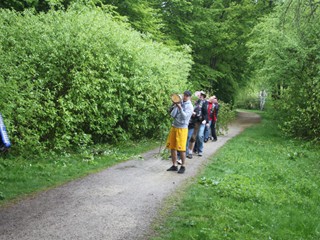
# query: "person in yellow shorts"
177,139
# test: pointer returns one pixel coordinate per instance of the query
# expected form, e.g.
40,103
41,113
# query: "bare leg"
183,157
174,157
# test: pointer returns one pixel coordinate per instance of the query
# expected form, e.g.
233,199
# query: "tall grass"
260,185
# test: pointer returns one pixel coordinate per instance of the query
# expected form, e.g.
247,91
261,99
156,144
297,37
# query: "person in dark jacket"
200,118
214,116
207,131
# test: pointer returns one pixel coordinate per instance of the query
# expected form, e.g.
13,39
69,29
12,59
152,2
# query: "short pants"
177,139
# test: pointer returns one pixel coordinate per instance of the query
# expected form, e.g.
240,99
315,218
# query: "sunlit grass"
20,177
260,185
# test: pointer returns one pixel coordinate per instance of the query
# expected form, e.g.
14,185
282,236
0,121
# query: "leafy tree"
177,16
217,32
38,5
141,15
285,53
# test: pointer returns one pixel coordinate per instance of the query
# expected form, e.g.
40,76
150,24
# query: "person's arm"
204,113
174,111
187,112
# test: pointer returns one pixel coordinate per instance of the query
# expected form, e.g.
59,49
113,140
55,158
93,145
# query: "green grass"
20,177
260,185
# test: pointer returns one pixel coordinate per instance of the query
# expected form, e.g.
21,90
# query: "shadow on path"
117,203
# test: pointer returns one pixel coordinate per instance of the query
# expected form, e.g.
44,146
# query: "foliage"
142,16
248,99
248,103
217,31
285,52
74,77
260,185
38,5
209,28
225,116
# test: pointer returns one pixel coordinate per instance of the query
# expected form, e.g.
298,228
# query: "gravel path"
117,203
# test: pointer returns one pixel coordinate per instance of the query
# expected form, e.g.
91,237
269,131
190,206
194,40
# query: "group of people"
191,128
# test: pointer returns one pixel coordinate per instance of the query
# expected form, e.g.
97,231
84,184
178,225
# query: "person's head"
202,95
214,99
186,95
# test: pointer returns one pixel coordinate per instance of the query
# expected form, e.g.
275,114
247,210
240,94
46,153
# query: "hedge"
76,77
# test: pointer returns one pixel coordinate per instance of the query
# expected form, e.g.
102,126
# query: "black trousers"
213,130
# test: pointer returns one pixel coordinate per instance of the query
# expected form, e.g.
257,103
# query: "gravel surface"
117,203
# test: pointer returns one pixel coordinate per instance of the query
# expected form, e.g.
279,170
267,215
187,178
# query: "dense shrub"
225,117
77,77
248,103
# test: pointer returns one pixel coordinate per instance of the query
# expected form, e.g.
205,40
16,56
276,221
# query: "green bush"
248,103
225,117
77,77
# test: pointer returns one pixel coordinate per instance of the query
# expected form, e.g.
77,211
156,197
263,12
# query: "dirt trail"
117,203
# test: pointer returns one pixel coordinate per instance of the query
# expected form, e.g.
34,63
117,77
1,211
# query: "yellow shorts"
177,139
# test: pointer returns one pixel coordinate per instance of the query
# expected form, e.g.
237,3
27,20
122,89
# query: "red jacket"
209,111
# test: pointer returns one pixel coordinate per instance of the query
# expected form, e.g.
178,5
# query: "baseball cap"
187,93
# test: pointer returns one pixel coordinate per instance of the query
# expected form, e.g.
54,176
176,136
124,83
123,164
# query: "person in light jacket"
176,142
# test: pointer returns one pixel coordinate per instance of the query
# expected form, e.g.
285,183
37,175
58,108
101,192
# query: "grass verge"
20,177
260,185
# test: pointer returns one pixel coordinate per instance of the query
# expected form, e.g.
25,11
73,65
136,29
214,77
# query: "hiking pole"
161,139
